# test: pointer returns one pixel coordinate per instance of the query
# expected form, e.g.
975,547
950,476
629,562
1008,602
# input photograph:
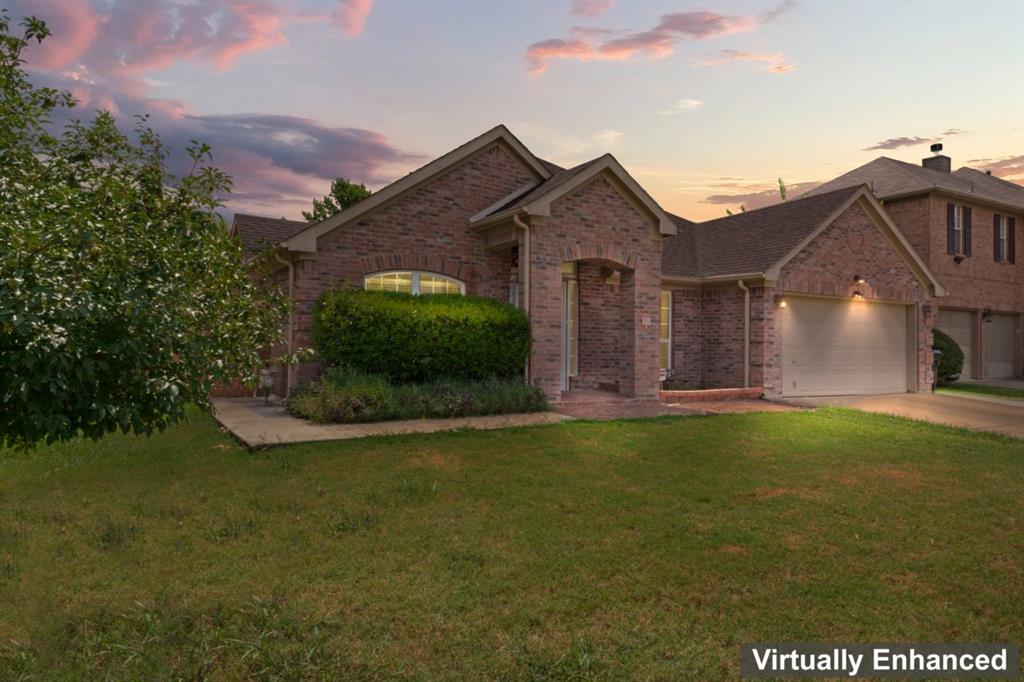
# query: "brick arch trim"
601,251
418,261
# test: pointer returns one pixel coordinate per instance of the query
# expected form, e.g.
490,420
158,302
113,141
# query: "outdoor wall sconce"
782,303
857,294
859,279
958,259
986,314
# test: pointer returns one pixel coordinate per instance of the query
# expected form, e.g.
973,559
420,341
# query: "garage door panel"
842,347
959,324
1000,347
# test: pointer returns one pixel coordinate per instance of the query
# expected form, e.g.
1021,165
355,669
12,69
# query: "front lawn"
984,389
634,549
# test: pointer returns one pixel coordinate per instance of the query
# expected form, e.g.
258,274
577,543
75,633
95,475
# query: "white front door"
843,347
570,330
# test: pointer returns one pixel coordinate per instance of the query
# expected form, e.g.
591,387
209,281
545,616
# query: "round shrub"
951,363
412,339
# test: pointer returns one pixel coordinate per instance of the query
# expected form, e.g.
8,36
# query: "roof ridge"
785,202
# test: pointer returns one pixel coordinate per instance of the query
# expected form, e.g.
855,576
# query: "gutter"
746,333
524,260
290,336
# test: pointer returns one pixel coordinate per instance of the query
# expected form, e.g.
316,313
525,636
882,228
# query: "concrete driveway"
1002,416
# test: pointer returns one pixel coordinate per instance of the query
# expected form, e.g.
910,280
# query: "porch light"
857,294
782,303
987,315
859,279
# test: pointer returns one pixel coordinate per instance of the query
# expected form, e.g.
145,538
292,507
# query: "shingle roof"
889,178
749,242
257,231
559,178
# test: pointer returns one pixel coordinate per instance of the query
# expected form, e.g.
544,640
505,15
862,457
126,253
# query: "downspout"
290,336
746,334
524,258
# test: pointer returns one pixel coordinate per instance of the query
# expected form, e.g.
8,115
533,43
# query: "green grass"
618,550
998,391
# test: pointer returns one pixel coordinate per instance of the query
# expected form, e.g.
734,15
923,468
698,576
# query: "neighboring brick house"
964,226
814,296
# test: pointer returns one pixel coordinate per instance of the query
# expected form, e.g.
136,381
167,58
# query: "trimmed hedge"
349,396
951,363
415,339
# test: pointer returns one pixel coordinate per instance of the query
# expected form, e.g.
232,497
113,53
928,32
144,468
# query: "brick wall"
596,223
852,245
976,283
600,312
426,228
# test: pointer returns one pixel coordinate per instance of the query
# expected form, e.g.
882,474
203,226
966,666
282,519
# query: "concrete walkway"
1001,416
260,424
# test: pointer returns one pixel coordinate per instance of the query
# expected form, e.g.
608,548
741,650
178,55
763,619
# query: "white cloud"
685,104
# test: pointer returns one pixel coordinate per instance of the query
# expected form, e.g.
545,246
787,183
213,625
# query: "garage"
959,324
1000,347
843,347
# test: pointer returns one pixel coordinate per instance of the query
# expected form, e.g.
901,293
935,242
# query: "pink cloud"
141,37
658,42
77,25
589,8
1007,167
350,16
773,61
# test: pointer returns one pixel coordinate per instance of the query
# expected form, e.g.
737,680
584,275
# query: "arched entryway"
597,325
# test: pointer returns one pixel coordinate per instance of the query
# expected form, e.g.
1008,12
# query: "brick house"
963,224
820,295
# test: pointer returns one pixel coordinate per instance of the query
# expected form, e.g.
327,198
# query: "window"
570,320
413,282
1001,238
958,230
665,329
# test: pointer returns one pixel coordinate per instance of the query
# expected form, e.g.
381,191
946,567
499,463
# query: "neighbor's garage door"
843,347
1000,346
960,324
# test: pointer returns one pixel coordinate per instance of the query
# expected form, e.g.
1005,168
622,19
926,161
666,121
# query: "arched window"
413,282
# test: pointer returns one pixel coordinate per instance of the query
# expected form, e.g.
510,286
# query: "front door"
570,330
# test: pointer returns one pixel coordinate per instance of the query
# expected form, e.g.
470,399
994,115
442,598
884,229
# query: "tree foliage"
342,195
122,297
951,362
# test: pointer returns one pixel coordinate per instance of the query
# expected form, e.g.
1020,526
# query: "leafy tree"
122,297
343,194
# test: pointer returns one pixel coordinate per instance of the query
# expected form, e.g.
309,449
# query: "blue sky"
705,103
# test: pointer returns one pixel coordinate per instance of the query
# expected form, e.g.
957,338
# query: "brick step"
711,394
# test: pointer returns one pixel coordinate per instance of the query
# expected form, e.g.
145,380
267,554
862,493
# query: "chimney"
939,162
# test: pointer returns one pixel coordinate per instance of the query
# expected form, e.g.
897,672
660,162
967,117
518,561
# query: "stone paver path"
260,424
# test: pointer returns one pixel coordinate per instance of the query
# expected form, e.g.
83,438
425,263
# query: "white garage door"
843,347
1000,346
960,324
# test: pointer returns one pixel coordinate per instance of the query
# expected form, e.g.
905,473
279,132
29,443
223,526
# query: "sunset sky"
705,103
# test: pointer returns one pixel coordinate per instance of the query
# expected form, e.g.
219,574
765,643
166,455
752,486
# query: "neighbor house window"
665,329
958,229
1001,237
413,282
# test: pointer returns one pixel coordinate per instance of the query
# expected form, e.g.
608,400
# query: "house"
820,295
963,224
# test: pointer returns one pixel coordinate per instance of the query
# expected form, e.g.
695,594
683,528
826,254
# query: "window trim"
415,276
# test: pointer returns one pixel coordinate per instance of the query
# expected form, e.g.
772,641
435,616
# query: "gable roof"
306,239
1008,192
752,241
890,179
759,243
537,200
256,232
